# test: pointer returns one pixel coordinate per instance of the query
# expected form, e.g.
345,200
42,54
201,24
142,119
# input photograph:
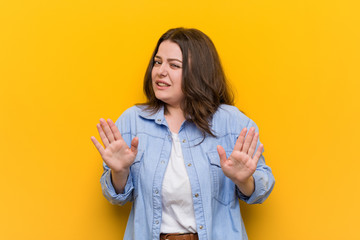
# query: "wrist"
243,182
120,174
120,171
119,179
247,186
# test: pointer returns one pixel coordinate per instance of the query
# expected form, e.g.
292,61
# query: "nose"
162,71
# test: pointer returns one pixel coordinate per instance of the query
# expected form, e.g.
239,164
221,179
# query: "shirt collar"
158,117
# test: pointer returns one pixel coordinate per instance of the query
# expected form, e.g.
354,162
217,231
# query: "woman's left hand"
242,162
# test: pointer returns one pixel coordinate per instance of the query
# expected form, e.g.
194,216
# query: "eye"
175,65
156,62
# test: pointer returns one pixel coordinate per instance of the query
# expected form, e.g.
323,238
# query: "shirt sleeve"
263,178
123,124
109,190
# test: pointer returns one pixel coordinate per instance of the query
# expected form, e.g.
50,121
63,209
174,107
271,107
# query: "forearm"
119,180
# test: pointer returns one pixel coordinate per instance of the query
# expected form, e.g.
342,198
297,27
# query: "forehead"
169,49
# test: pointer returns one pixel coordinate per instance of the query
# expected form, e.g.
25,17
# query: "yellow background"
64,64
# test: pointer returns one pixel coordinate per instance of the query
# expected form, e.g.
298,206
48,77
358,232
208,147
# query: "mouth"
162,84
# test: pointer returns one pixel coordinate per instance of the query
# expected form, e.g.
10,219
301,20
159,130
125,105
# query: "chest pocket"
135,168
223,189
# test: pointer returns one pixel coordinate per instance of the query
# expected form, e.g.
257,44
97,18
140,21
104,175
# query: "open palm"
116,154
242,162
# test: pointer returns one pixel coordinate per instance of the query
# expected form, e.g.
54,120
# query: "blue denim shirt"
215,197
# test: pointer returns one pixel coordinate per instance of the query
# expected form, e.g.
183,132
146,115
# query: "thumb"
222,154
134,144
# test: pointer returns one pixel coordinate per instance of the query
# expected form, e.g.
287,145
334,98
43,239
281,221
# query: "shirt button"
184,140
156,191
189,165
159,120
201,227
157,222
162,161
196,195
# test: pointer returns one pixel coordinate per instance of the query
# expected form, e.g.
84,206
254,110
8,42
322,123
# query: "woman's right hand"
116,154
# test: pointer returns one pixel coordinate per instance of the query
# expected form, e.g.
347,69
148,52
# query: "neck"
174,117
174,111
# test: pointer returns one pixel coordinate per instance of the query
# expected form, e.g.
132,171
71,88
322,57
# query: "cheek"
176,75
179,85
179,78
152,74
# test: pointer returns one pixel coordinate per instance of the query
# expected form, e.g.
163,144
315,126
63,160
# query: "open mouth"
162,84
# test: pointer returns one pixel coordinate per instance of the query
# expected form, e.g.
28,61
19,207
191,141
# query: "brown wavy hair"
203,81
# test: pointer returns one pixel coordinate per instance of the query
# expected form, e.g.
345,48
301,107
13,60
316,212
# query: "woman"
186,156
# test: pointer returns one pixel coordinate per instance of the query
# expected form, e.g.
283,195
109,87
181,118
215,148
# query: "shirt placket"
195,185
158,178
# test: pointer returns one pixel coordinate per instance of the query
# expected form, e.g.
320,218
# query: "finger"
258,153
114,130
103,136
248,140
240,141
222,154
134,144
98,146
253,145
107,130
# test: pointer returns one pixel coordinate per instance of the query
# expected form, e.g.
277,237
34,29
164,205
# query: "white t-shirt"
177,204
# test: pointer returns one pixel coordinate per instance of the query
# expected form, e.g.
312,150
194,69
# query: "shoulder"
230,113
229,119
133,112
128,117
128,123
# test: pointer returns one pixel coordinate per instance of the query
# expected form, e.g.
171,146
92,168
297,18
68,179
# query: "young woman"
186,156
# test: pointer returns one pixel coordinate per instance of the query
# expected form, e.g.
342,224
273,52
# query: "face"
167,74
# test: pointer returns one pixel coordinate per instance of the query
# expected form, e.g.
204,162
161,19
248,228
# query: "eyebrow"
170,59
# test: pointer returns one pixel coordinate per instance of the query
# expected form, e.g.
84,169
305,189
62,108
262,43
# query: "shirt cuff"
110,193
259,191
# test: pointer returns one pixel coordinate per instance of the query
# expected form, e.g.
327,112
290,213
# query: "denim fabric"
215,196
